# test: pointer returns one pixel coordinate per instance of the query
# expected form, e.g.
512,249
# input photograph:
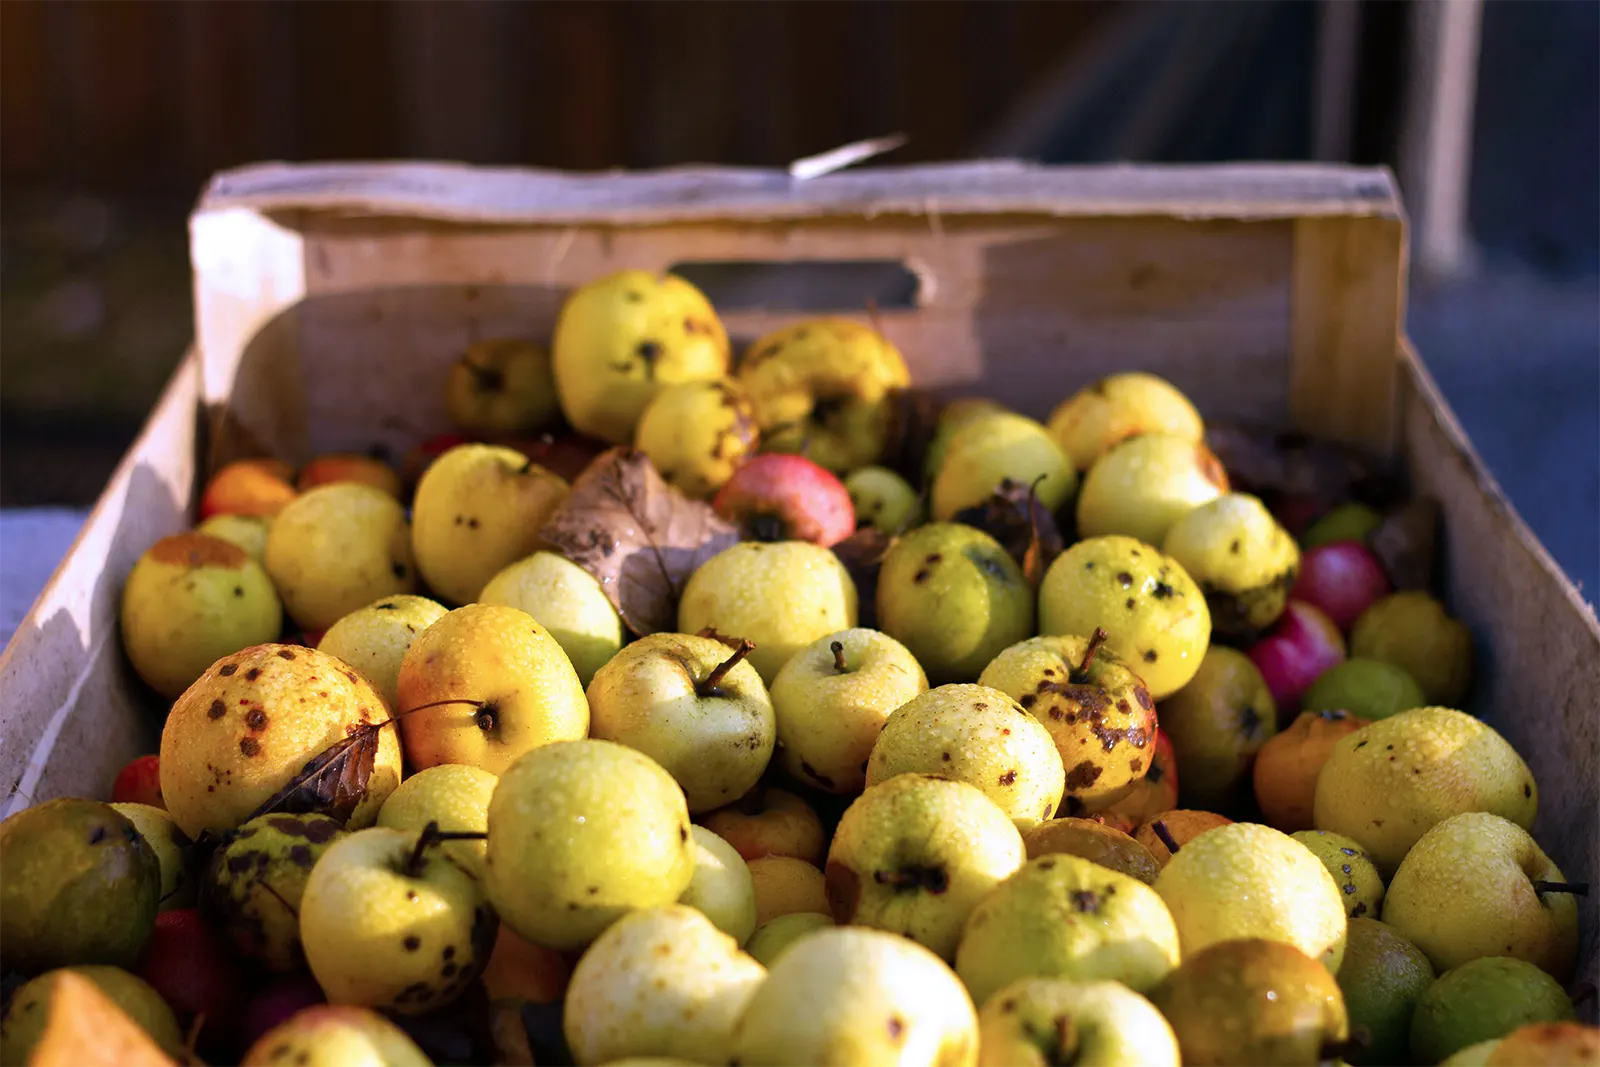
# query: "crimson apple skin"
1300,646
1343,579
778,496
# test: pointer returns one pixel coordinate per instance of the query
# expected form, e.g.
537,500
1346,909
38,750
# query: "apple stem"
1160,829
1577,889
708,688
487,378
432,835
1080,674
838,657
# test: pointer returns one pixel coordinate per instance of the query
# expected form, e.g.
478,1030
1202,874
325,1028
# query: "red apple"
187,964
779,496
348,467
1300,646
139,783
1343,579
275,1002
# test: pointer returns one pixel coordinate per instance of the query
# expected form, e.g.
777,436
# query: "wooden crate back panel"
75,712
1537,642
1027,313
1233,281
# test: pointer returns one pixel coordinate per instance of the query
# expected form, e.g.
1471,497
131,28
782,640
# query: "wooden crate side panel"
1348,297
74,709
1540,684
1024,309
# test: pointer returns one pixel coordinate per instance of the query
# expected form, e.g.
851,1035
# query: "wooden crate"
331,298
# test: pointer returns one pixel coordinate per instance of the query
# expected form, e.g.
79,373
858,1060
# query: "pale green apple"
914,856
1038,1022
580,834
388,924
883,499
692,704
567,601
335,1035
659,982
1143,485
832,699
721,888
454,795
856,997
773,937
171,846
1061,916
337,548
782,596
374,639
977,735
991,450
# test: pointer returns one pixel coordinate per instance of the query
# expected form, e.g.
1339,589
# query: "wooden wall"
154,95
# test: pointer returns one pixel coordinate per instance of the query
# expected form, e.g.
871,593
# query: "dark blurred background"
114,112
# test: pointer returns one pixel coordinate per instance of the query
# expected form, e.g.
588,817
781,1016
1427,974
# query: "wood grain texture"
1347,304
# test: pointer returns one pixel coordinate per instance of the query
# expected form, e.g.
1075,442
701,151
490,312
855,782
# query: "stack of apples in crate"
685,710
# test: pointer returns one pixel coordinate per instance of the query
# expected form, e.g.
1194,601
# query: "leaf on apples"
638,536
913,418
862,555
1027,531
1406,543
85,1028
334,781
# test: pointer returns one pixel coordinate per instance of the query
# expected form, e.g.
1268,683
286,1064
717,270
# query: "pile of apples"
684,711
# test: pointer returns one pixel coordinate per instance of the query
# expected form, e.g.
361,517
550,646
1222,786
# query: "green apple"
692,704
1037,1022
1217,723
190,599
1244,880
659,982
953,596
856,997
484,685
953,418
388,922
1097,710
1387,783
249,532
335,1035
1382,977
374,639
1141,486
698,433
502,387
1347,522
567,601
80,884
977,735
256,882
883,499
478,509
1414,632
1480,1000
1352,869
623,337
1155,615
1479,885
28,1010
1062,916
1368,688
832,699
171,846
773,937
914,856
337,548
996,448
1243,560
781,596
1117,407
453,795
721,887
580,834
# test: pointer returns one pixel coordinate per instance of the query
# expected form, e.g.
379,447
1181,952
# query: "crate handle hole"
839,286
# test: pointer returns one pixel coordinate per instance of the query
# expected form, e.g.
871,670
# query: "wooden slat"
1348,299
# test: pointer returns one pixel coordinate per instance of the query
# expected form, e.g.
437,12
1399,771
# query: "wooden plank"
1347,310
500,196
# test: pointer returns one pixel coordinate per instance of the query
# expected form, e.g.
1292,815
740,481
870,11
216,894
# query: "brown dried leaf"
913,418
1264,463
1406,542
639,537
334,782
1014,517
85,1028
862,555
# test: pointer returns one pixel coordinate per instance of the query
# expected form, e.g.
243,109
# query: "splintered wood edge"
499,195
